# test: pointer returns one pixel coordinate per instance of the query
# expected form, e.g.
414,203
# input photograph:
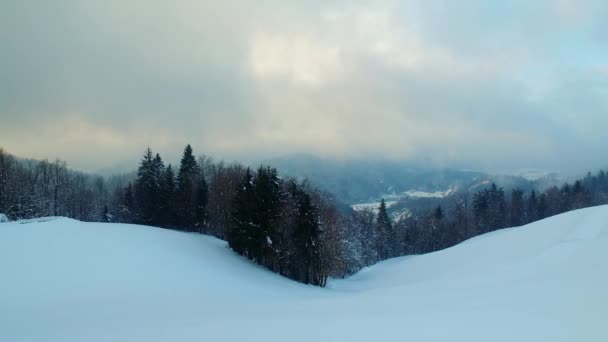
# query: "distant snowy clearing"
373,206
393,199
64,280
425,194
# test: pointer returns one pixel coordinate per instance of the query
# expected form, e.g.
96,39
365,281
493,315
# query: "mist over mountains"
360,181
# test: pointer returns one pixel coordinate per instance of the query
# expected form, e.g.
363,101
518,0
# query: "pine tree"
516,208
438,213
438,240
187,178
580,196
147,188
167,197
384,233
542,207
497,208
308,237
129,200
5,170
481,211
105,214
244,220
532,214
267,188
202,195
158,171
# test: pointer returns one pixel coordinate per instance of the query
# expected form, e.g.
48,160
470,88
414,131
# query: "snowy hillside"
63,280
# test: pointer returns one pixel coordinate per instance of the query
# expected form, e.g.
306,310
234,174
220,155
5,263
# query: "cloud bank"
494,85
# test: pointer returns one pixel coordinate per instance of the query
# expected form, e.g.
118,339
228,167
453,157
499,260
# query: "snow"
373,206
401,214
425,194
64,280
3,218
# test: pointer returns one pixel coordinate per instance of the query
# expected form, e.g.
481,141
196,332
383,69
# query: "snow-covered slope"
63,280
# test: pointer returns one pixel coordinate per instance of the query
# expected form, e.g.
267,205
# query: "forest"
287,225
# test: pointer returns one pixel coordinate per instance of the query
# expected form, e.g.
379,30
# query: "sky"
492,85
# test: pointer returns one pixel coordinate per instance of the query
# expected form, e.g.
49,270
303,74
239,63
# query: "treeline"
371,236
159,197
31,189
278,224
491,209
282,224
286,225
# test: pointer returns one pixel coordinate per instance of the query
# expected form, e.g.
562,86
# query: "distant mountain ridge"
364,181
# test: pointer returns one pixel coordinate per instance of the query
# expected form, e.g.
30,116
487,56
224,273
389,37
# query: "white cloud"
300,58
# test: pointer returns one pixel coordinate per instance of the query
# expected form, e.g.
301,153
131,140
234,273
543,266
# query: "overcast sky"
480,84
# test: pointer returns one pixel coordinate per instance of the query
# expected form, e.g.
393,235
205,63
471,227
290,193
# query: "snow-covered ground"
373,206
63,280
426,194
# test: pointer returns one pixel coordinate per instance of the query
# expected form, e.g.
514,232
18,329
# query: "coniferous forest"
286,225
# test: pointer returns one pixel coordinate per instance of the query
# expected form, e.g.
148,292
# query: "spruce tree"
542,207
497,208
167,197
517,208
481,209
438,213
267,188
129,200
105,215
202,194
147,188
243,217
186,190
308,237
384,233
158,170
532,213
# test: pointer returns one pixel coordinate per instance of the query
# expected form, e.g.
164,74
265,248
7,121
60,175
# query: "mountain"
65,280
364,181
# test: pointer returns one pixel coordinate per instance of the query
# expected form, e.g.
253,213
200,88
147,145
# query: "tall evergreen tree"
517,208
167,198
268,194
308,237
438,214
129,200
105,215
384,232
580,196
481,208
187,178
147,188
532,207
541,210
497,208
5,171
438,238
202,195
244,219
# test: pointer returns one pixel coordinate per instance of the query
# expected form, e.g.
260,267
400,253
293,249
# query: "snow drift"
64,280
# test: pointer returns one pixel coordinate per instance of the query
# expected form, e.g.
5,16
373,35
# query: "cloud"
300,59
513,84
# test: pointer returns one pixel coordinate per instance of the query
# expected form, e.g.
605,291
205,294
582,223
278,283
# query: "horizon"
130,166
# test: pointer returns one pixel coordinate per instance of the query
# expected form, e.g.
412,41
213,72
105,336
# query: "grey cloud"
484,84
